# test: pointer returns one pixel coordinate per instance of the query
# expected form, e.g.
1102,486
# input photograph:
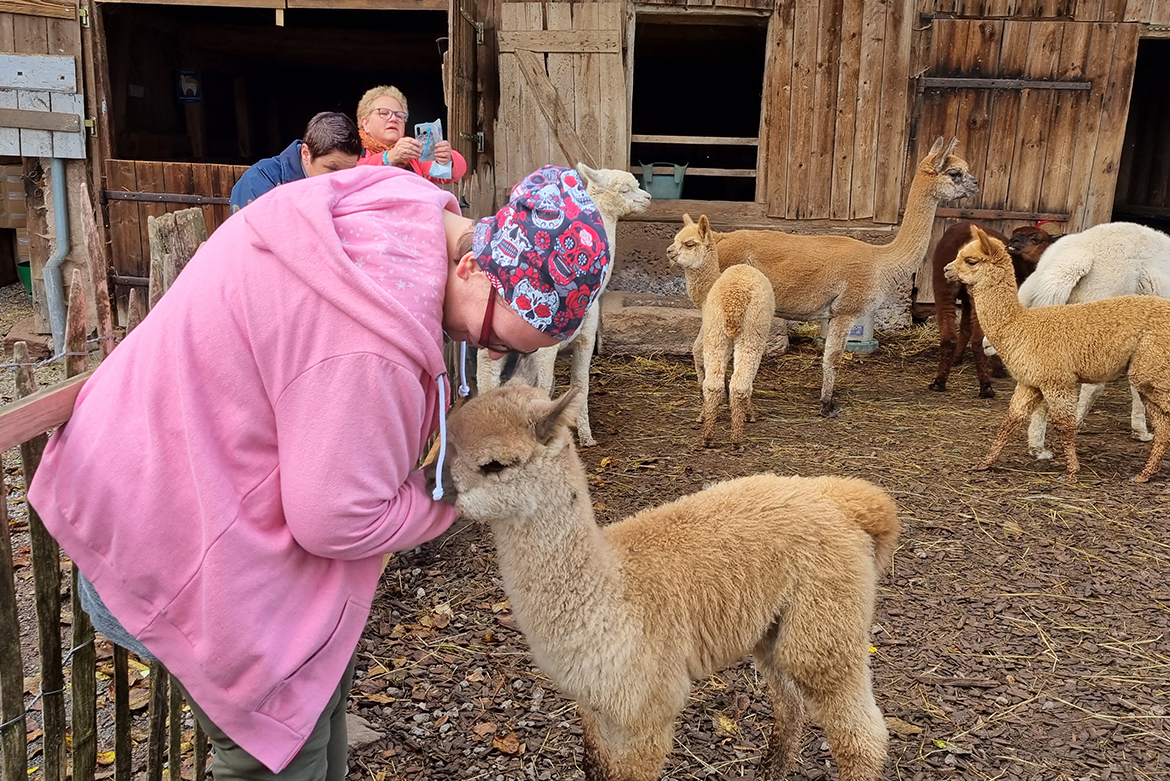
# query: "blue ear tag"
429,134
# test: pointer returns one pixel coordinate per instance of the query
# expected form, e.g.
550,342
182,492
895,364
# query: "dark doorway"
1143,179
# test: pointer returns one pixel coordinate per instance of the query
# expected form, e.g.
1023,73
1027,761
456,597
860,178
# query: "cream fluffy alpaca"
737,310
617,195
1049,350
1105,261
839,278
624,617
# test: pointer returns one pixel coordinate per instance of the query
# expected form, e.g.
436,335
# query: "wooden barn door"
1039,108
562,89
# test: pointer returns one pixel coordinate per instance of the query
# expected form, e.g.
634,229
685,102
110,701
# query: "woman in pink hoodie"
234,472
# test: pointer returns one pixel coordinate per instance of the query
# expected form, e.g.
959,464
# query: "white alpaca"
1106,261
617,195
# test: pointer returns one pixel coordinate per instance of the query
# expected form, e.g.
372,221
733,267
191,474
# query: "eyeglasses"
386,113
485,331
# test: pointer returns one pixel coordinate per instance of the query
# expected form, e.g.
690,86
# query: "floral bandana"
546,252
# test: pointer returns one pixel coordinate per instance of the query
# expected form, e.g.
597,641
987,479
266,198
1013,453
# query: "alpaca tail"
733,322
873,510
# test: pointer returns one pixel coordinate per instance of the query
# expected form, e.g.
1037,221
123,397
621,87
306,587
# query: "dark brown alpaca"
1025,247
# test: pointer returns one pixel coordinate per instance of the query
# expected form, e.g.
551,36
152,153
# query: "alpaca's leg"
636,755
1156,408
487,372
1024,400
746,363
1062,409
716,353
1088,397
1137,417
582,355
982,370
965,325
787,718
944,316
1037,430
834,349
853,724
697,352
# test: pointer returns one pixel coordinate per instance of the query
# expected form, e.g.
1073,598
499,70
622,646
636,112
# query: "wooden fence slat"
613,152
1067,112
203,184
157,714
123,744
891,141
825,108
846,110
561,73
1114,108
47,408
125,236
150,180
589,85
864,179
534,128
201,746
135,310
175,733
99,269
178,178
13,742
802,107
46,561
1005,112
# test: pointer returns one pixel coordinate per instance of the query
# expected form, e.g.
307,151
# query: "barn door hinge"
83,16
477,138
477,25
91,126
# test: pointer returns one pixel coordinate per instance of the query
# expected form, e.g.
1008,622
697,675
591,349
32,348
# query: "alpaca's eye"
955,174
690,244
491,467
971,261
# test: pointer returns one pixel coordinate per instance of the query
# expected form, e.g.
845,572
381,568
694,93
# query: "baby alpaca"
1105,261
617,195
624,617
1025,246
737,316
1049,350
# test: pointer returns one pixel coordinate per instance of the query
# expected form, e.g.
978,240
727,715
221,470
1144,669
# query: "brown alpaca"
839,278
623,618
1050,349
1025,247
737,317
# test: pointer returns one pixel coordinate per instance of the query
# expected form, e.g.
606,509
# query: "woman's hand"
443,152
405,150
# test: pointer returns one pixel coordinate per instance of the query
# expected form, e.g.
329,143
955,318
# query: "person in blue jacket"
331,143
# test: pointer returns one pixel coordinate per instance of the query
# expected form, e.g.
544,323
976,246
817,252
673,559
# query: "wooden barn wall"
835,108
1038,153
1078,10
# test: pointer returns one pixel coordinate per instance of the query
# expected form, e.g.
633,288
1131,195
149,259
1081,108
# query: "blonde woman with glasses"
382,115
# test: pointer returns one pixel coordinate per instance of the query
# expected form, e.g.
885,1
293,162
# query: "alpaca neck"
906,251
999,307
700,280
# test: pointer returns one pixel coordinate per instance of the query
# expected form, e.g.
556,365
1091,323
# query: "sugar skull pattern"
546,251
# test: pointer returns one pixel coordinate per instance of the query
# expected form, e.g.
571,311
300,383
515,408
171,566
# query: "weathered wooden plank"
845,124
589,95
175,733
125,237
825,106
974,128
99,269
157,715
51,8
69,143
180,179
123,745
775,116
34,143
1114,108
9,136
1065,121
223,178
553,110
460,74
562,40
353,5
802,107
705,140
1036,106
869,98
46,409
613,152
38,72
150,180
12,737
1098,62
538,132
40,120
1005,112
135,310
561,70
201,184
508,142
892,125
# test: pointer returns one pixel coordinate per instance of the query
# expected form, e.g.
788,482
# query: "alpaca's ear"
951,147
592,175
687,220
984,243
704,226
937,146
559,414
521,370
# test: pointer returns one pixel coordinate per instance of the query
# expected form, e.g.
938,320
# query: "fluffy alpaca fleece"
839,278
737,310
624,617
1051,349
617,195
1025,247
1105,261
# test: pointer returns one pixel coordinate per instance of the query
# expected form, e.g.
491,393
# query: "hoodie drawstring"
437,494
464,390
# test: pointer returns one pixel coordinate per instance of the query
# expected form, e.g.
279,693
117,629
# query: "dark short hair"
332,130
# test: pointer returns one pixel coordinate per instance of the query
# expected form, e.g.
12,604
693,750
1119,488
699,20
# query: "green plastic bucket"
663,187
24,271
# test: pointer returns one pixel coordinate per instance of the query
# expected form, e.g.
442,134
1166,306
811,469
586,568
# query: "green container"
663,187
24,271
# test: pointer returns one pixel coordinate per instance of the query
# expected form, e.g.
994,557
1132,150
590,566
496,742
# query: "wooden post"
123,745
200,741
47,578
12,736
84,669
174,238
157,285
175,731
135,310
99,273
158,721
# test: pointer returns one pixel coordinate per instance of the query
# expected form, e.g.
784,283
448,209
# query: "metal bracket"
91,126
83,16
477,25
478,138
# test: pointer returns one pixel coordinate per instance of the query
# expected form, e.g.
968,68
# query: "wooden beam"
57,10
667,170
712,140
558,117
998,214
1156,31
563,41
40,120
220,3
372,5
22,420
935,82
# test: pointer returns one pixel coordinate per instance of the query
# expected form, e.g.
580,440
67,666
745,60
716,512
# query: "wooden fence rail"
25,423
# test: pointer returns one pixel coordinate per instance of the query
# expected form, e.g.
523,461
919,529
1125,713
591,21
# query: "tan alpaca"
842,279
737,316
617,195
1051,349
623,618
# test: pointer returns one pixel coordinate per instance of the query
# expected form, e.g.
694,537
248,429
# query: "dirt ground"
1021,634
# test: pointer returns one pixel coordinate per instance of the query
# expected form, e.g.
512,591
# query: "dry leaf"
105,758
380,698
724,724
441,620
476,676
502,607
36,733
606,462
1011,528
485,728
139,697
901,728
508,744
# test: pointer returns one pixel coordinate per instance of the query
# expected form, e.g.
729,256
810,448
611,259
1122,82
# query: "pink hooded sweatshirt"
234,471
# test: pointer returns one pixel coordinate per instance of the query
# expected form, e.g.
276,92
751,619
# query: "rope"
58,356
36,699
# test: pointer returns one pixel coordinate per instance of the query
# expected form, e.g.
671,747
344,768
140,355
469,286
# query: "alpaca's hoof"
1142,436
1042,455
586,442
1140,478
986,391
1068,477
830,409
982,466
939,384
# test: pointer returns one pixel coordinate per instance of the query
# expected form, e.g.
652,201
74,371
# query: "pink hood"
234,471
